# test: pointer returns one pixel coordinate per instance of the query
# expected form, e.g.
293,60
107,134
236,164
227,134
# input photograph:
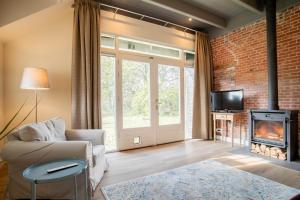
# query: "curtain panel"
202,120
86,84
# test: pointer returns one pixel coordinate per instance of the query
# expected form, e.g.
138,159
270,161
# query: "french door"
150,101
170,101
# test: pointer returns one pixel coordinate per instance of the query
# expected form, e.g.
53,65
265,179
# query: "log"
263,148
276,149
280,151
274,156
282,157
274,152
257,149
253,151
267,152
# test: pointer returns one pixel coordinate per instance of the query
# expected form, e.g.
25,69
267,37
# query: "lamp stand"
36,97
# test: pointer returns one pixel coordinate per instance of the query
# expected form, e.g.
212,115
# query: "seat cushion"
99,166
98,152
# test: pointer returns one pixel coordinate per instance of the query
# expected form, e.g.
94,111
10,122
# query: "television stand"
224,117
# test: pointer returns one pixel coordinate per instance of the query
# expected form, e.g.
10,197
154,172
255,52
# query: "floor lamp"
35,78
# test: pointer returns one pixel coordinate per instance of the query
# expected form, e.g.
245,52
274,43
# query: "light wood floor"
141,162
3,179
131,164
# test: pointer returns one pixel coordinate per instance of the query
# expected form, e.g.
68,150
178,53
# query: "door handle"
157,102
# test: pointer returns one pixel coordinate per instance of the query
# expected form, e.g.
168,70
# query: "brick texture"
240,62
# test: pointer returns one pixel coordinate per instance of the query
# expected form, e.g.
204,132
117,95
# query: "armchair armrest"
27,153
96,136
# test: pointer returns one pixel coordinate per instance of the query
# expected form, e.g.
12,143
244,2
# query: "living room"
149,99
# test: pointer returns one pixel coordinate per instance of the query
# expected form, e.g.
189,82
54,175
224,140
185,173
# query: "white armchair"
81,144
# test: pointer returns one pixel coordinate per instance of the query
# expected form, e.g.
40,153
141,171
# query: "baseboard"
235,140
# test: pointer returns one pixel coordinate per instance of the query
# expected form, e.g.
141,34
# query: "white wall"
1,87
48,46
1,84
137,29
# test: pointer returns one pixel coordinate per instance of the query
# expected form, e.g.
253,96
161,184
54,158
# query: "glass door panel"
108,103
168,94
136,94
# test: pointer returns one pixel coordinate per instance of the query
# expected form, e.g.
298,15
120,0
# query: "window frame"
116,49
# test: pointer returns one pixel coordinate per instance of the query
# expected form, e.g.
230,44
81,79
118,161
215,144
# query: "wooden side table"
224,118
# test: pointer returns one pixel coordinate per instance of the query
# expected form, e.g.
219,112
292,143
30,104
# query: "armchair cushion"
98,151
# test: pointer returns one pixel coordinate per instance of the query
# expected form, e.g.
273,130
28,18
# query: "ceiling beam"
189,11
251,5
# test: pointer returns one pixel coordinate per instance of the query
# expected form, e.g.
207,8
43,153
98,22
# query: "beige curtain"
86,107
202,122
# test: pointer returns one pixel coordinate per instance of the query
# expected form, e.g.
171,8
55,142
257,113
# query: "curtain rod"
142,16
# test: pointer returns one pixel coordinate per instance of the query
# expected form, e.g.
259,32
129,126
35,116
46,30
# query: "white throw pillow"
35,132
57,128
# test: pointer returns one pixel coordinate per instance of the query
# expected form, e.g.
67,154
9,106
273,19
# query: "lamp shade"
35,78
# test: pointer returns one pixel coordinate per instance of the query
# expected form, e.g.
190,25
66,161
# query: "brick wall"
240,61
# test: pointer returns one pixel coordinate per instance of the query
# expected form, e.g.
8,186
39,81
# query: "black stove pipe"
272,54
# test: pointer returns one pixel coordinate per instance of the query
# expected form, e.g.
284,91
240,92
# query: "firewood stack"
274,152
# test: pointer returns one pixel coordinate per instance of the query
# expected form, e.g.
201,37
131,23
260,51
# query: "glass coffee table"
38,174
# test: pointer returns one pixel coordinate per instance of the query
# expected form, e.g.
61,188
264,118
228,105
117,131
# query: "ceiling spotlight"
190,19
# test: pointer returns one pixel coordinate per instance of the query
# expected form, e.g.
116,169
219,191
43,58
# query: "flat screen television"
227,101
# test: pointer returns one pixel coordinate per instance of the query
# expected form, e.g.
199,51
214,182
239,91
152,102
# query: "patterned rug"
209,180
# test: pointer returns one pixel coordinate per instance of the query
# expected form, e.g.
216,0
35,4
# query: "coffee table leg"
85,184
75,187
33,191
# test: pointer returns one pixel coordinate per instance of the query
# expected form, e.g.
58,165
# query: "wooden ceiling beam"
190,11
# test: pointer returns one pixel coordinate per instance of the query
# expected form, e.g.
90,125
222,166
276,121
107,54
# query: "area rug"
209,180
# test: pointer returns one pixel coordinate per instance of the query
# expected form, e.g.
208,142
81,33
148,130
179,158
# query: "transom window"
138,46
127,44
108,41
189,56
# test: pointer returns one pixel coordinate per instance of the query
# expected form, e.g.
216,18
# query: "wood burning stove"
277,128
273,132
